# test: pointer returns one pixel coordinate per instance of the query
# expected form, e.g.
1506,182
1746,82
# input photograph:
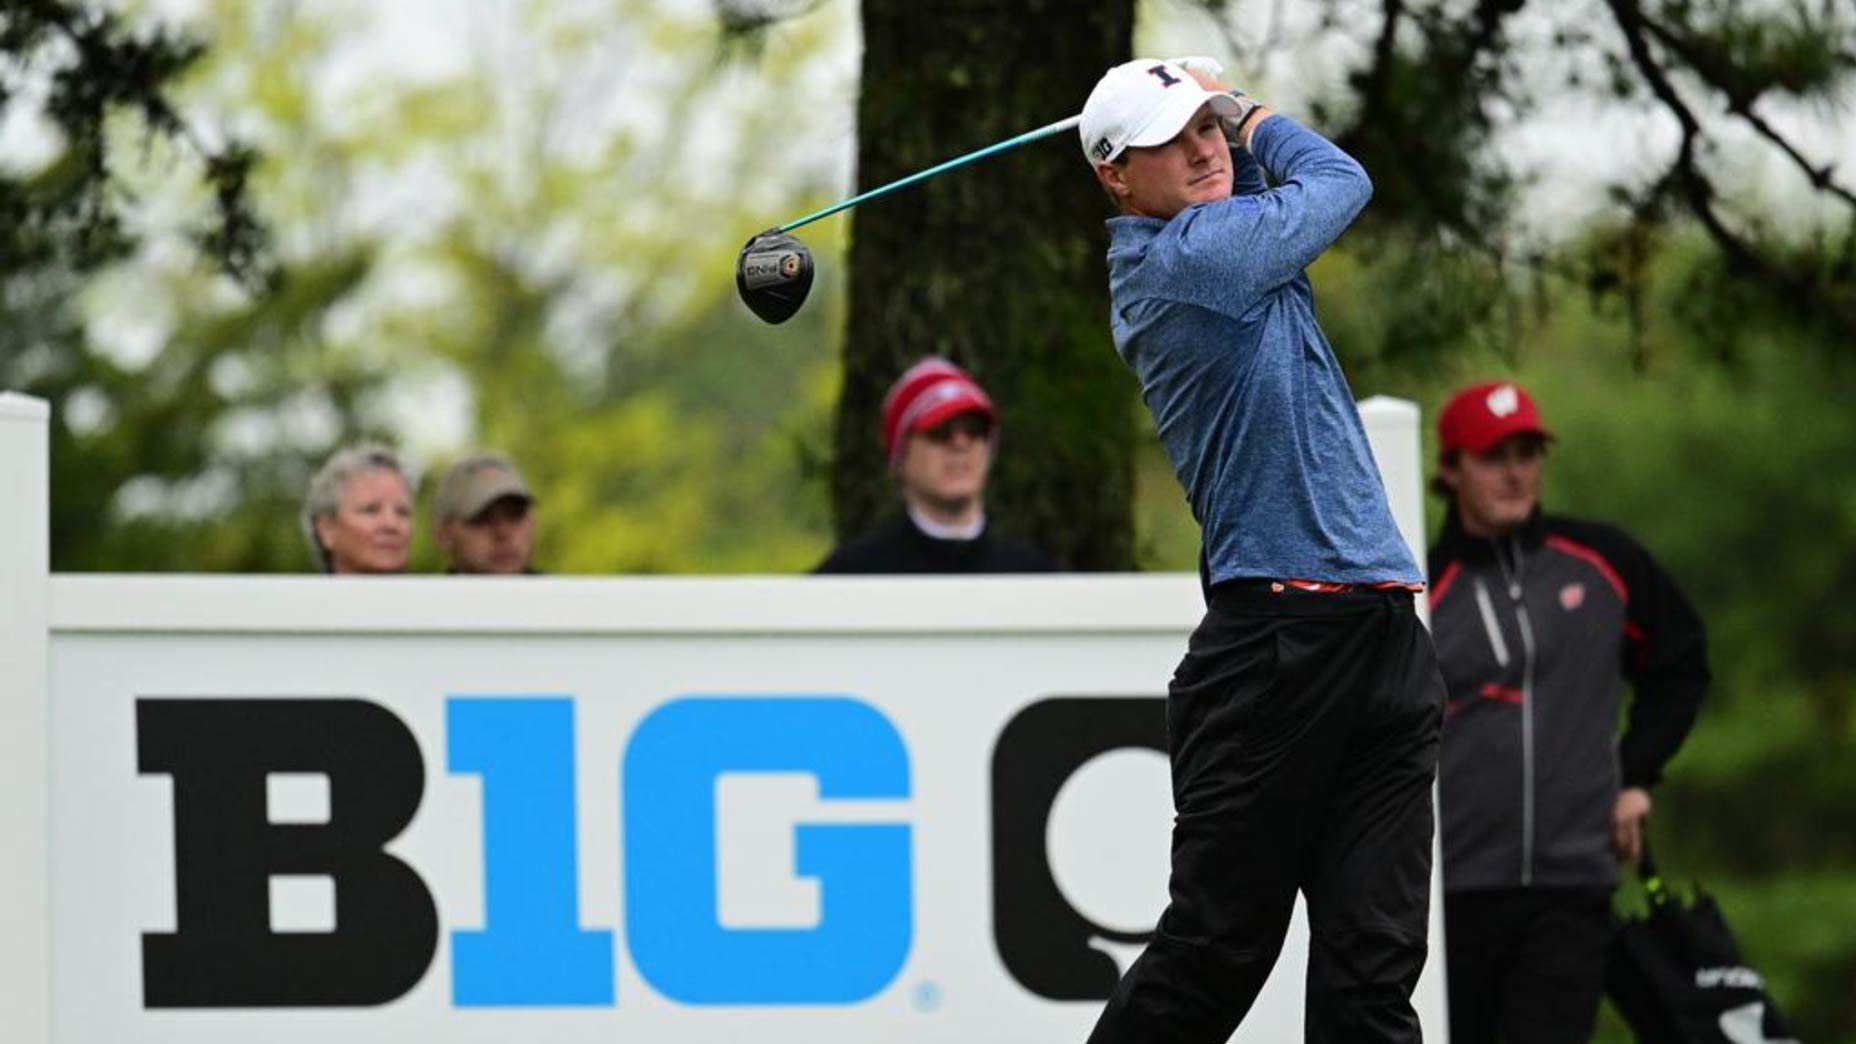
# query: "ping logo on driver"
769,269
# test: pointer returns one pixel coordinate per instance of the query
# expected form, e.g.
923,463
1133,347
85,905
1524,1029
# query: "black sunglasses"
973,425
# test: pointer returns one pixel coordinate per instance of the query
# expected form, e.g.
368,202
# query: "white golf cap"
1143,102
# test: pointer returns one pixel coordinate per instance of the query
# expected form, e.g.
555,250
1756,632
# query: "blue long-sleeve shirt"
1215,315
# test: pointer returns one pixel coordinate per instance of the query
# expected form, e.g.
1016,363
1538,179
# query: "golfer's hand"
1627,817
1210,75
1208,71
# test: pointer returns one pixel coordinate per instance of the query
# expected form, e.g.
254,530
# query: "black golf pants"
1526,965
1302,729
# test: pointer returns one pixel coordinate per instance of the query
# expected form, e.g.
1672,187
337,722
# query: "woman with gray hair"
358,514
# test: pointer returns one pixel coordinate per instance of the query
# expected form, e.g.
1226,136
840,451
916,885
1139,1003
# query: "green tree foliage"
194,458
1442,80
591,317
77,66
554,280
124,178
1433,95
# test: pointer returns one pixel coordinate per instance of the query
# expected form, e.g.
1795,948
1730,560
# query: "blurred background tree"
999,267
71,219
494,255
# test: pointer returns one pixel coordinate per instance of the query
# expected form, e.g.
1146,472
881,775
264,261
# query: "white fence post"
1392,428
25,782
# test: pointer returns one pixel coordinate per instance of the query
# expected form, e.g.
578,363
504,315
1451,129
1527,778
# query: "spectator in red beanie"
940,430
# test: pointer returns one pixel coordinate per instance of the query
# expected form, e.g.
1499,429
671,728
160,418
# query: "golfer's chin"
1209,189
1168,205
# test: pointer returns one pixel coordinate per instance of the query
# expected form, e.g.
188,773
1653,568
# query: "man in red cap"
940,429
1538,620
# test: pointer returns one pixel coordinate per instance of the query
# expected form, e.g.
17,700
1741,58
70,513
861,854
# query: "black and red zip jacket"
1536,632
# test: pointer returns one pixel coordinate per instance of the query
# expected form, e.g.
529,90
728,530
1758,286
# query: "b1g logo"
229,851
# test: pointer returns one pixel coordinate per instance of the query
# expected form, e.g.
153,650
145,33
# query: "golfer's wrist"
1237,126
1247,124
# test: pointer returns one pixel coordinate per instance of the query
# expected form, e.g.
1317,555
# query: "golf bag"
1676,976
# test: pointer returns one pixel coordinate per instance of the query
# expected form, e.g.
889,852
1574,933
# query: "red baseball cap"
1482,415
926,394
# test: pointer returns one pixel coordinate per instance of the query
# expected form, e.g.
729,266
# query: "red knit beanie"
927,394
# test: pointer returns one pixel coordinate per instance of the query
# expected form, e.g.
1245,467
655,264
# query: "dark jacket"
1535,633
901,547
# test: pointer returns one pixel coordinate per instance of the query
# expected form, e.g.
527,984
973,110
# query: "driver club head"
773,275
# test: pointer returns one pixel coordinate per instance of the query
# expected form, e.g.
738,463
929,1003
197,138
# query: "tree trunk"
998,266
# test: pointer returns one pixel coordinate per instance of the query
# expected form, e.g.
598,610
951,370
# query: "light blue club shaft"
959,161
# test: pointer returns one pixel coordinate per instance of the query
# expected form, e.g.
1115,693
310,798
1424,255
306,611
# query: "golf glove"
1201,64
1212,68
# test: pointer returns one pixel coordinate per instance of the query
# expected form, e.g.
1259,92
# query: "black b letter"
226,849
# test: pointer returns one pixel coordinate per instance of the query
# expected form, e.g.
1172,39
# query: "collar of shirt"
944,531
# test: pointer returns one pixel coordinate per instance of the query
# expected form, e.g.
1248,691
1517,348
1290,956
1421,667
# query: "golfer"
1302,724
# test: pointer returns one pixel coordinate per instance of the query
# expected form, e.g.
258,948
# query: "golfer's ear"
1113,180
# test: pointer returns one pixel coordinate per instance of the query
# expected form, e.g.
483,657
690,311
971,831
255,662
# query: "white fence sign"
737,810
